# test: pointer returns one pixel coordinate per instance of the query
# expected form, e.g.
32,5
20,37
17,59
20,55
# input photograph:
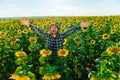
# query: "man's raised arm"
75,29
34,28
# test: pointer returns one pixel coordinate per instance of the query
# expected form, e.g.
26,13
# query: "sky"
26,8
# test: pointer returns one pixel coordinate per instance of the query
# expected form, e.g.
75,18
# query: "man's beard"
53,33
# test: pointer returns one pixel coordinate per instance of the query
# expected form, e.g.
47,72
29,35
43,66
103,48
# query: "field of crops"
91,53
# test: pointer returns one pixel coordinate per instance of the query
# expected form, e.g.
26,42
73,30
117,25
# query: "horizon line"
55,16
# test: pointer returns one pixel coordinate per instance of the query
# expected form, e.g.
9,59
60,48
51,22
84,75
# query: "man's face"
53,29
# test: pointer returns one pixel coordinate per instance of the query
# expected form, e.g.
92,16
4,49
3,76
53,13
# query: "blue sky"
19,8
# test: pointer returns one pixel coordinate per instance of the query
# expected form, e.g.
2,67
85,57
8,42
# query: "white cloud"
12,5
62,8
58,8
72,10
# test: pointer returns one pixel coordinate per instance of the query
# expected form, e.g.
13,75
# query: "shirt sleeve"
38,30
71,31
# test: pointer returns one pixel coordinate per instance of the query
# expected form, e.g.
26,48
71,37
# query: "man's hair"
54,25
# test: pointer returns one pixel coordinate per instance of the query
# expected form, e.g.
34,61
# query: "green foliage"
82,54
107,66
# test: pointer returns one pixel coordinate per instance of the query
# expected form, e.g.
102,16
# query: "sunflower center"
13,39
106,36
77,40
115,50
63,52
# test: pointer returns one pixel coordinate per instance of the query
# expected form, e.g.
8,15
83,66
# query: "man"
54,40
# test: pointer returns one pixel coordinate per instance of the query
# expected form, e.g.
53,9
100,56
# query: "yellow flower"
115,26
0,33
84,28
62,27
68,24
105,36
32,40
16,77
20,54
95,24
47,78
77,20
77,40
3,33
63,52
113,31
52,77
92,42
13,39
19,31
101,26
2,39
64,42
49,22
43,27
30,30
25,78
58,76
45,53
11,27
113,50
25,31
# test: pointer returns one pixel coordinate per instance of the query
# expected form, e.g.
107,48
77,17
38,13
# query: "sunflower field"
92,53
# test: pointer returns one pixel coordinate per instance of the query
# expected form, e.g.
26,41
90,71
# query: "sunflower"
0,33
13,39
92,42
3,33
105,36
25,31
30,30
43,27
115,26
2,39
49,22
63,52
77,20
113,31
90,22
16,77
68,24
32,40
58,76
11,27
64,41
101,26
84,28
96,23
52,77
113,50
77,40
19,31
74,20
20,54
62,27
45,53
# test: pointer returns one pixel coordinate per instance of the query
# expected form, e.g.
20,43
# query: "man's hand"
84,24
25,22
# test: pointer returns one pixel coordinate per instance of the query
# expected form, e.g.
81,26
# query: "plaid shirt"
54,43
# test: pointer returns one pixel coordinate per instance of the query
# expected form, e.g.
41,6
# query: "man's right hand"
84,24
25,22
